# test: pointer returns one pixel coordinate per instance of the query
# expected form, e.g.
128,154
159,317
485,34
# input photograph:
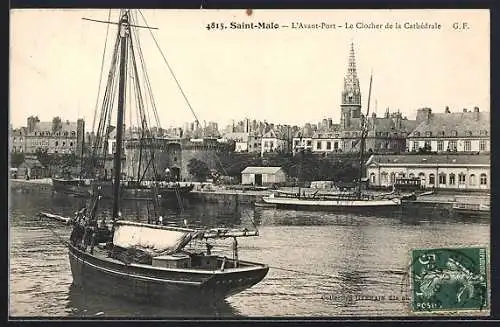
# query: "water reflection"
87,304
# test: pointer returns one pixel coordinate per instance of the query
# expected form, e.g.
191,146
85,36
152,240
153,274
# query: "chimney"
447,110
424,114
476,113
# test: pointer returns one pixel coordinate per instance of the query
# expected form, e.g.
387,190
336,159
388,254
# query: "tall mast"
124,32
364,131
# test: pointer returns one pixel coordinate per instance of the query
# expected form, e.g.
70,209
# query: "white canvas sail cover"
155,240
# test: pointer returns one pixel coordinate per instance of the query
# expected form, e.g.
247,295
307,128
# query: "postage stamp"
449,279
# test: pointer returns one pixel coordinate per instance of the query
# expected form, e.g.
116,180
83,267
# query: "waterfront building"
467,131
440,171
274,141
263,176
58,136
31,168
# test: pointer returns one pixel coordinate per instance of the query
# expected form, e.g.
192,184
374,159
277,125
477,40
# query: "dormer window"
468,133
441,133
428,133
454,133
417,134
483,133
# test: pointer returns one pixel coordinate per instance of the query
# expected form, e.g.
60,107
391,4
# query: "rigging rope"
102,70
170,69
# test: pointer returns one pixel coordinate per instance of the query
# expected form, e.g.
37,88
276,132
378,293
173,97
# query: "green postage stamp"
449,279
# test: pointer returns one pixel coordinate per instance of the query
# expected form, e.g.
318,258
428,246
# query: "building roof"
430,159
66,126
459,122
275,134
261,170
31,163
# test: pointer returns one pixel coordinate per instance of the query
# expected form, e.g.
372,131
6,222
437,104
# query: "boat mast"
124,32
364,133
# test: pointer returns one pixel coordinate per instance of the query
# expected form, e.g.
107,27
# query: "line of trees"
301,167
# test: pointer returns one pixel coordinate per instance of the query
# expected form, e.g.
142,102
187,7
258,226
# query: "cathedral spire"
351,93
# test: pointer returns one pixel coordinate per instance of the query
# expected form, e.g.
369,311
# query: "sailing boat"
356,201
146,262
138,183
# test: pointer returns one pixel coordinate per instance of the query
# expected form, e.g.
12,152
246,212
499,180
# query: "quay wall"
440,205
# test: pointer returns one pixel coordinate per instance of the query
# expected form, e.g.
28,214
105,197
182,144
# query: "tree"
199,169
16,158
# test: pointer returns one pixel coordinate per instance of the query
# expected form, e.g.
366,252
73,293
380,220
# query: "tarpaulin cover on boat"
155,240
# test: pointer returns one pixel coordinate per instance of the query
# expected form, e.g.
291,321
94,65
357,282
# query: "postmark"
449,280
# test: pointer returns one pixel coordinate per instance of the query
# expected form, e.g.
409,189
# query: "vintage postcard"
249,163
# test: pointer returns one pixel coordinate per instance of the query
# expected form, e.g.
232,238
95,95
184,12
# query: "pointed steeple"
351,93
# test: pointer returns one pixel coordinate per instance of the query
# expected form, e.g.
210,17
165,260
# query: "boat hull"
159,286
335,205
75,187
80,189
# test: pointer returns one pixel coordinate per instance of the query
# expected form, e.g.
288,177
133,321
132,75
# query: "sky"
284,75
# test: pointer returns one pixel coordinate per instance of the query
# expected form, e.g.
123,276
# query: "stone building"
385,134
149,157
466,131
440,171
62,137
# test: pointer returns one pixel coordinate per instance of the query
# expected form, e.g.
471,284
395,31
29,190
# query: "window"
393,178
432,179
482,145
372,178
296,142
483,133
73,134
452,179
347,134
467,146
417,134
415,146
468,133
318,145
452,146
353,144
328,145
440,145
422,177
484,180
461,179
428,133
472,179
336,145
442,179
384,178
412,175
441,133
64,143
70,143
57,143
454,133
65,133
265,144
427,144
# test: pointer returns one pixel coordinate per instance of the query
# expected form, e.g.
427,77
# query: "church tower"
351,94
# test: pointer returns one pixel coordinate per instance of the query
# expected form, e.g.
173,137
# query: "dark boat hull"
139,284
78,188
75,187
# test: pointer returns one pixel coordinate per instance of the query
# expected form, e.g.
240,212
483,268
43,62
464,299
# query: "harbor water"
321,264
